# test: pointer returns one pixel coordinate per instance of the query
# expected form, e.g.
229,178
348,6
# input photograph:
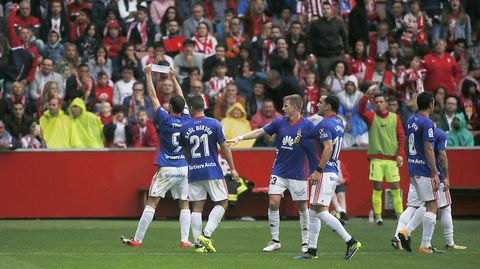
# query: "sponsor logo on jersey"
287,142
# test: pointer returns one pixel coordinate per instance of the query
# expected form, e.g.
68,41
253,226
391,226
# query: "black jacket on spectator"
209,64
434,7
288,86
135,34
292,44
358,24
15,129
109,132
283,66
251,107
327,38
119,62
3,106
47,26
99,12
20,62
395,32
72,92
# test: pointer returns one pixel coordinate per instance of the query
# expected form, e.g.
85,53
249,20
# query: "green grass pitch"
94,244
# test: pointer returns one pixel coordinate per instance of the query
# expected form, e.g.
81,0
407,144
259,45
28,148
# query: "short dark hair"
333,101
196,103
87,12
128,67
82,64
158,44
221,45
117,109
378,95
177,104
48,58
101,74
18,102
461,40
424,100
219,64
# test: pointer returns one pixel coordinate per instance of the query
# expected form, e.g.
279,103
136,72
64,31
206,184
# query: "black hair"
219,64
128,67
83,64
333,101
177,104
424,100
158,44
87,12
196,103
48,58
461,40
117,109
378,95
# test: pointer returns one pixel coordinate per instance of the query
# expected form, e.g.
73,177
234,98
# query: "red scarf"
407,36
205,46
142,31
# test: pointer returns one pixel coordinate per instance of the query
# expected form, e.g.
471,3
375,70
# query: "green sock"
397,201
377,203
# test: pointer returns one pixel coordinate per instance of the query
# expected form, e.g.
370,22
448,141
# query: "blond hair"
295,100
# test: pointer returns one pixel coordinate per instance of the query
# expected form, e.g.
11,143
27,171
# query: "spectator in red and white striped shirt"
219,81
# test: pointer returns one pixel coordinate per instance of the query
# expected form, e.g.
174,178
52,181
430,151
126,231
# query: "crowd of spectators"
71,71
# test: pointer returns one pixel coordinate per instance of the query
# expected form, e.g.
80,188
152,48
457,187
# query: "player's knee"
223,203
273,205
152,201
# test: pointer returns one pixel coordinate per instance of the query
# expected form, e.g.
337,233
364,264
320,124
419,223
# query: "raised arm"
250,135
150,88
177,88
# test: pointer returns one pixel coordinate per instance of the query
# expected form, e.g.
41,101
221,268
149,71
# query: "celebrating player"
329,133
413,216
290,168
199,138
422,169
172,167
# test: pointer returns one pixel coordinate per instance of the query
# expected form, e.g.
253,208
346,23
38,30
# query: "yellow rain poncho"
233,127
86,130
56,130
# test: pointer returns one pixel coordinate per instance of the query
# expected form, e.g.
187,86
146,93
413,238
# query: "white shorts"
323,191
173,179
216,189
297,188
424,188
444,198
412,199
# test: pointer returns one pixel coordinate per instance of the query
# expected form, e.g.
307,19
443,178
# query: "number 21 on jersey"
195,140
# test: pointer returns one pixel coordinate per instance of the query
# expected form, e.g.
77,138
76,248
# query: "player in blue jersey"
413,215
199,138
172,166
327,136
422,169
290,168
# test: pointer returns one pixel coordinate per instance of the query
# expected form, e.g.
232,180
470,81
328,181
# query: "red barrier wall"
99,184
